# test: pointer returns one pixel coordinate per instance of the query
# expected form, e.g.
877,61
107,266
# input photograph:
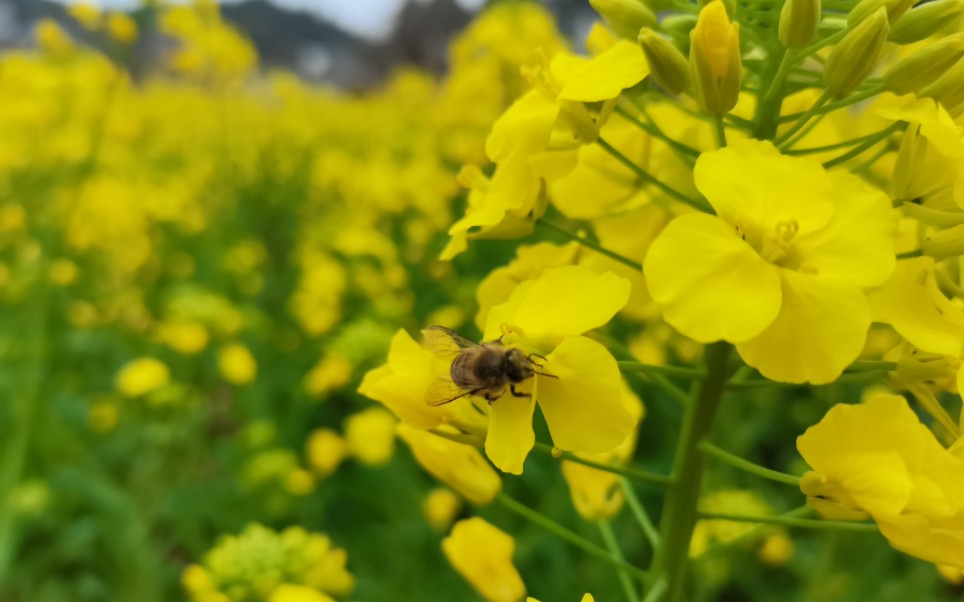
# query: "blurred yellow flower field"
669,310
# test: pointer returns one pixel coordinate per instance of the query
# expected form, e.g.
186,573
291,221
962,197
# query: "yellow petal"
858,241
820,330
912,303
459,466
711,284
583,404
400,385
865,450
605,76
564,301
751,184
523,129
510,435
940,542
482,554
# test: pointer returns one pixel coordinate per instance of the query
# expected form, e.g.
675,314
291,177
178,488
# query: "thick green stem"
680,371
680,513
768,113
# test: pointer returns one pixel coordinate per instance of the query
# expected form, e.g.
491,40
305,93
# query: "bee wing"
442,391
445,343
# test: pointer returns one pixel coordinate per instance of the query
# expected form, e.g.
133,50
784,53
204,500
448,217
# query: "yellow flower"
596,493
786,258
440,508
141,376
287,592
330,373
370,436
877,460
401,383
928,167
482,554
85,13
299,482
185,337
546,316
51,38
522,143
122,28
459,466
325,450
777,549
236,364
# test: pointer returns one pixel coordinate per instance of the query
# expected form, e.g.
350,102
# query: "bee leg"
518,393
536,364
546,374
493,397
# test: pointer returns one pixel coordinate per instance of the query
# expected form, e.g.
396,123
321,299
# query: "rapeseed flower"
876,460
786,258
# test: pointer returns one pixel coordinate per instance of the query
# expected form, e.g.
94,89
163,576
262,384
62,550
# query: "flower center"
776,243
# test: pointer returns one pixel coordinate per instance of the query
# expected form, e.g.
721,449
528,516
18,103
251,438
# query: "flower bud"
715,63
925,20
852,60
798,22
924,66
678,28
625,17
668,66
729,4
948,90
866,8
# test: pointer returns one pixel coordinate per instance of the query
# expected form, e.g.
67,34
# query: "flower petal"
752,184
564,301
510,435
858,242
523,129
605,76
711,284
912,303
821,329
584,404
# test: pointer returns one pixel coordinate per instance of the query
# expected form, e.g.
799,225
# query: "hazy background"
350,43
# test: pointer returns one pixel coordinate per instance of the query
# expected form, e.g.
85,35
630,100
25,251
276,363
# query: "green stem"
637,475
830,147
910,254
803,523
639,513
573,538
679,515
629,588
680,371
689,153
591,245
871,365
650,179
758,529
657,591
865,145
747,466
840,104
769,109
812,111
678,395
719,132
25,409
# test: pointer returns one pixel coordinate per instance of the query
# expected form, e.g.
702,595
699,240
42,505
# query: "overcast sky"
369,18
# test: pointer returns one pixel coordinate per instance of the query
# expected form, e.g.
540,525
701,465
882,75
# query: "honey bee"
485,369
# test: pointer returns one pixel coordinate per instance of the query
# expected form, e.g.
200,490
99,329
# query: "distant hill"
304,42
